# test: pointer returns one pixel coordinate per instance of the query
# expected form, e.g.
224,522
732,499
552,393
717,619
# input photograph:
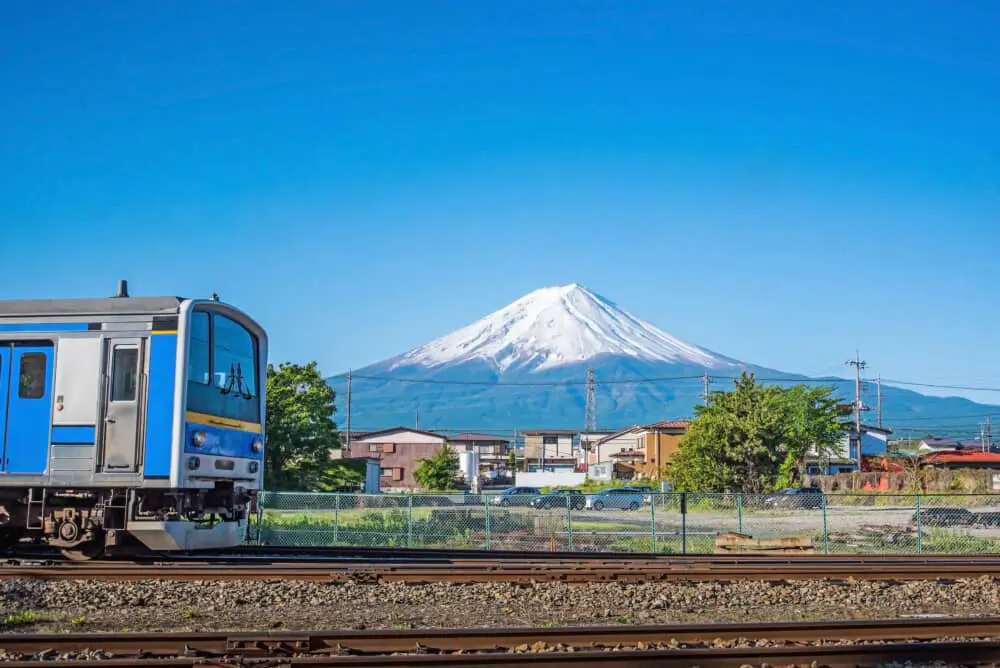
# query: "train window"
32,377
124,373
199,351
234,355
222,368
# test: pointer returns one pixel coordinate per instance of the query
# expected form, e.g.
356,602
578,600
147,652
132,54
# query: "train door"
122,398
26,400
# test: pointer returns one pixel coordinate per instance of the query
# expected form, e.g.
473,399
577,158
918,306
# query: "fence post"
569,521
826,532
652,519
739,513
336,519
920,526
486,502
409,523
684,528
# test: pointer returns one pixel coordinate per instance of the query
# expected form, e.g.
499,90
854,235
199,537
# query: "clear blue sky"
782,182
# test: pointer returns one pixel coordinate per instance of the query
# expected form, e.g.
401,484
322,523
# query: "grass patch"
23,618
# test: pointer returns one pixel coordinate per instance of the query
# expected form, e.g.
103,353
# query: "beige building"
548,449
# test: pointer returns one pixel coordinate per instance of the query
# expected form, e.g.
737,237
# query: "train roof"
21,308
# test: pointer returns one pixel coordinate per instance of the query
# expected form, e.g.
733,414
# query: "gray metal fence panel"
850,523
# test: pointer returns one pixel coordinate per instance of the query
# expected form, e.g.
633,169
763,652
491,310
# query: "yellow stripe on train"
228,423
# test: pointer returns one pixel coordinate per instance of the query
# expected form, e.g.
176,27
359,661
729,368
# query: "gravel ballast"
261,605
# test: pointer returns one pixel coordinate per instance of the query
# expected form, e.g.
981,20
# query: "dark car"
796,497
945,517
561,498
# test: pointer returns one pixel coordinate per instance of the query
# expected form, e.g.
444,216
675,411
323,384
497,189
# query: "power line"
644,380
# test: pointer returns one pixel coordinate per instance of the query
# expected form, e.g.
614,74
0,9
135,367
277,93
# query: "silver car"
615,497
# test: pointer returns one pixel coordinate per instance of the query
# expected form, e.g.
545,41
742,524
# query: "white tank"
468,464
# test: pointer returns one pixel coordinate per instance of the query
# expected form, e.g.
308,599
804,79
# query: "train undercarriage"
84,523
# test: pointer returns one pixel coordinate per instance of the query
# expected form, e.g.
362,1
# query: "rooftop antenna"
122,288
214,297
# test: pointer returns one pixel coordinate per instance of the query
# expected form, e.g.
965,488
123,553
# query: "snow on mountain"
558,326
525,366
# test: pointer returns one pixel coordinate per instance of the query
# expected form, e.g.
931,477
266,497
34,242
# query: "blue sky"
782,182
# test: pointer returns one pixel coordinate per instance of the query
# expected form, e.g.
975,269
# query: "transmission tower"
590,419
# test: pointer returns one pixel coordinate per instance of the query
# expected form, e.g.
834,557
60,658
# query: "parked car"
946,517
615,497
517,496
796,497
647,492
561,498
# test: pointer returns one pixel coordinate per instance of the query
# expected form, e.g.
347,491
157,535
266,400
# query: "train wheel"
85,551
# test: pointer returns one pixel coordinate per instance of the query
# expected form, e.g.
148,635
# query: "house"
661,442
656,442
843,457
549,450
493,450
962,459
627,439
399,451
948,444
589,439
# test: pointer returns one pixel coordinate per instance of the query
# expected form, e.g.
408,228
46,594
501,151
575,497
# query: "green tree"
754,437
301,432
812,419
438,473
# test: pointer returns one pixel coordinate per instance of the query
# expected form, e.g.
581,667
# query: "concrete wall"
550,479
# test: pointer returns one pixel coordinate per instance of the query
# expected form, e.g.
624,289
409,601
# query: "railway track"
580,570
955,640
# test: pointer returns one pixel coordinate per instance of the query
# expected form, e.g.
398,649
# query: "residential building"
948,444
399,451
657,442
549,449
662,440
627,439
493,450
962,459
588,440
843,457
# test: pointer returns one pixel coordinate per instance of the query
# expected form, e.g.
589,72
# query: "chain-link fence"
630,521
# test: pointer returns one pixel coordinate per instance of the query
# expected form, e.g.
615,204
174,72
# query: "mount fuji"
525,366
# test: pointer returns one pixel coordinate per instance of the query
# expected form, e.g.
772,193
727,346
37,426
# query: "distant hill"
525,366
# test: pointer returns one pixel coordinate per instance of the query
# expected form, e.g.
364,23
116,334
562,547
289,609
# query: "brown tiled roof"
669,424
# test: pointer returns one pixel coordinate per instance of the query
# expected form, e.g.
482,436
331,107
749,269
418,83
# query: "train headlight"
253,467
257,445
198,439
194,462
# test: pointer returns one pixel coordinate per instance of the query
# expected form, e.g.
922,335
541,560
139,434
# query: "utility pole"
348,439
706,380
878,398
989,436
417,421
590,416
858,403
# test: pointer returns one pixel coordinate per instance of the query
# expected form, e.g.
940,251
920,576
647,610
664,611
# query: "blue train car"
129,419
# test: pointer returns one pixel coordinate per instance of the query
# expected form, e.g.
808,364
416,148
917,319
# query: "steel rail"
795,642
635,571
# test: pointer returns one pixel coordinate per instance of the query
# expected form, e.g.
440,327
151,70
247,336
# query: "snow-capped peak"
556,326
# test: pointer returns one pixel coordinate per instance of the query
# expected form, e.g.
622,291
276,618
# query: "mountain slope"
525,366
